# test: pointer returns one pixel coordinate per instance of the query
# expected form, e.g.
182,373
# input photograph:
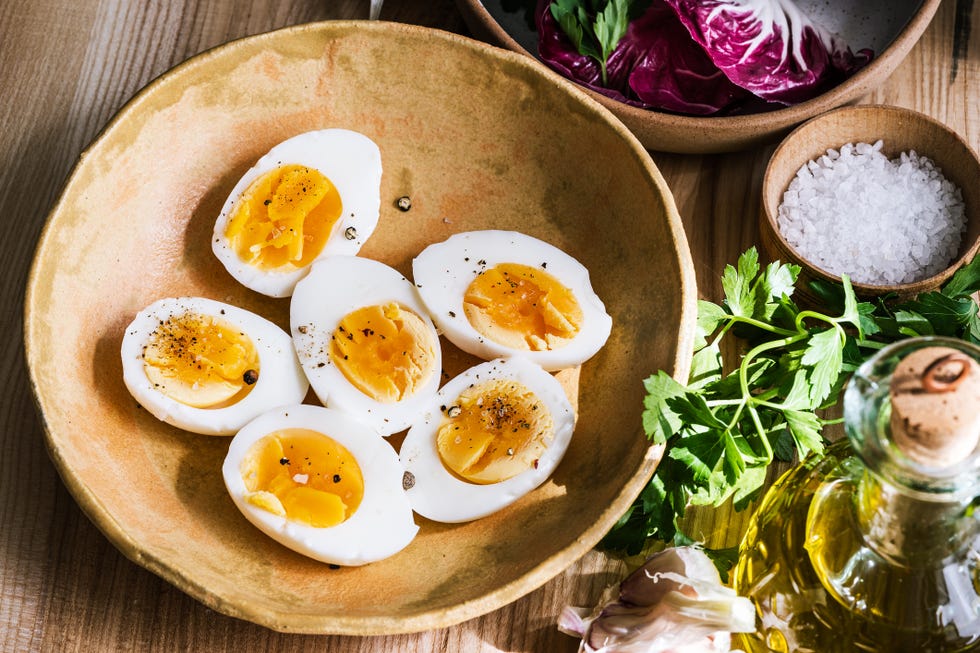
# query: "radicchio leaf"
769,47
655,66
709,57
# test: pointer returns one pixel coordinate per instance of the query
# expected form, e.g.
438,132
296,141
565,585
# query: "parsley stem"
769,404
761,398
737,414
732,320
761,432
743,371
743,380
802,315
871,344
724,402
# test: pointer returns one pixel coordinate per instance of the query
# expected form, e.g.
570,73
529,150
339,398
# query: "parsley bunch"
595,27
726,426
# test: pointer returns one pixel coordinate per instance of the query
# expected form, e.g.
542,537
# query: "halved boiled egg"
208,367
365,341
321,483
313,195
503,293
493,434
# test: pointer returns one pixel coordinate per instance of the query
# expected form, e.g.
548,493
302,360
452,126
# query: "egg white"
351,161
281,380
335,287
441,496
383,523
443,271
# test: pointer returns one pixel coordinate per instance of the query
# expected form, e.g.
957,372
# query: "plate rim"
293,622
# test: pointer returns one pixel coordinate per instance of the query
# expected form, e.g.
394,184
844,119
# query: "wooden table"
65,69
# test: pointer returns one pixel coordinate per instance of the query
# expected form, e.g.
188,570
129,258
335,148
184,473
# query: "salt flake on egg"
503,293
314,195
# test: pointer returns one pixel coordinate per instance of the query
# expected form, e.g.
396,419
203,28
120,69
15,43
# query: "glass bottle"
875,545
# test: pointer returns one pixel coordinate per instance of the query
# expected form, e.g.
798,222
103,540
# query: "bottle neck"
913,528
912,507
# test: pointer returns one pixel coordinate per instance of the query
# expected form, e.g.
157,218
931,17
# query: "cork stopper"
935,399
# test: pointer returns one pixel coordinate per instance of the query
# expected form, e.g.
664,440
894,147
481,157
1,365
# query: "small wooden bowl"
901,130
891,28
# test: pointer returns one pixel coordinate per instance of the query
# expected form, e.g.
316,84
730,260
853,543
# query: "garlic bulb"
674,603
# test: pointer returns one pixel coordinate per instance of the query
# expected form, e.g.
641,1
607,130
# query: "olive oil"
863,548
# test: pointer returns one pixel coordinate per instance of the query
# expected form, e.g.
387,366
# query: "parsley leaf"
823,359
964,281
724,429
804,427
949,311
595,28
947,315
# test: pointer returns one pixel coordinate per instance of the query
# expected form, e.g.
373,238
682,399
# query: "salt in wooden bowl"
900,130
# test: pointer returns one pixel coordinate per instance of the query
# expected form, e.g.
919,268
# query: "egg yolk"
495,430
303,475
385,351
522,307
200,360
284,218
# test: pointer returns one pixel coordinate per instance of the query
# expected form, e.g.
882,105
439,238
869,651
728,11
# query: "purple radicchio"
769,47
674,603
655,66
708,57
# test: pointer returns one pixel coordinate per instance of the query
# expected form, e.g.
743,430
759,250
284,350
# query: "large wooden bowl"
900,130
478,138
889,27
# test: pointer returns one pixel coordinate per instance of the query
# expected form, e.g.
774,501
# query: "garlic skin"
674,603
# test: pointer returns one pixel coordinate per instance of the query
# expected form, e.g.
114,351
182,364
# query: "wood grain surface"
65,69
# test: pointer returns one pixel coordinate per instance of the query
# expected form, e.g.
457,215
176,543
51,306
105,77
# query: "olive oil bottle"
875,545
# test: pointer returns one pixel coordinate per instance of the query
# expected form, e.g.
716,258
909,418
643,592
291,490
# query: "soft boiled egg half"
365,341
313,195
321,483
503,293
492,434
208,367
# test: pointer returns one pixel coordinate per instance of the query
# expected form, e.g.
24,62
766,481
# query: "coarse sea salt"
881,222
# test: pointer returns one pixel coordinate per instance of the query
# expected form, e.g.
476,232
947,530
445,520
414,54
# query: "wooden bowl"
478,138
901,130
890,28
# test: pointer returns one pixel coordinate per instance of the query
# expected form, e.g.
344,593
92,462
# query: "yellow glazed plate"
478,138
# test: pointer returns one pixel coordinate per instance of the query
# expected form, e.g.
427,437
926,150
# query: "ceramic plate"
478,138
